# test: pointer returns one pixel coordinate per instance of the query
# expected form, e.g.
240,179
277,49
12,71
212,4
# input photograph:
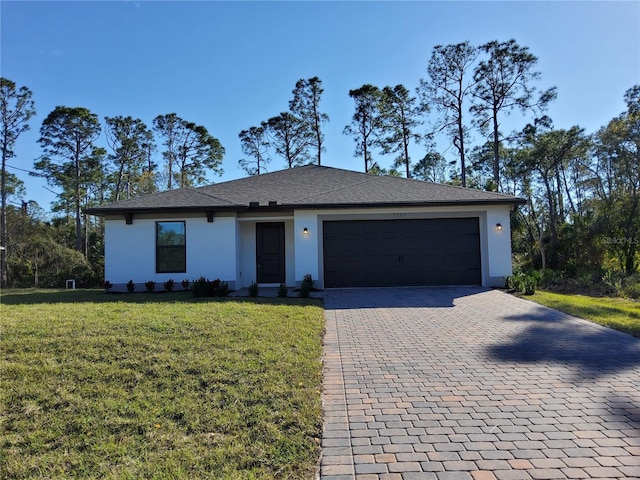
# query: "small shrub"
107,285
210,288
509,283
223,289
131,286
200,287
282,290
253,289
150,286
306,286
169,284
631,286
529,284
185,284
524,283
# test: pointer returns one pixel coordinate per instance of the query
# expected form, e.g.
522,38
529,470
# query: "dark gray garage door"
369,253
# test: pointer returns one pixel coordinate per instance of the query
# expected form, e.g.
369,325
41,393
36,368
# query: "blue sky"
231,65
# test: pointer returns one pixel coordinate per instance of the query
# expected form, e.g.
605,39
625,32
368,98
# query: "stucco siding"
495,245
247,242
308,246
226,247
130,250
499,246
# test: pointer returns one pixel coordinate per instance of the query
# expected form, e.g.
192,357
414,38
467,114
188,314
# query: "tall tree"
168,127
548,153
69,158
306,106
289,137
617,152
253,143
400,116
130,141
447,88
431,168
199,153
189,151
16,108
365,123
502,82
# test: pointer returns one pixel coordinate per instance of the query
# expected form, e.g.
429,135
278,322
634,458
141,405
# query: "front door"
270,266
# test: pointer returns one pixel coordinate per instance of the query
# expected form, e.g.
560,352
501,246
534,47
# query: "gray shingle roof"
311,186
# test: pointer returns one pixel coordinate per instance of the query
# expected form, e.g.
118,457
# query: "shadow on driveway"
552,336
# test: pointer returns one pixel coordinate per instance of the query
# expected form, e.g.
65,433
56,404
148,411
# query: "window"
171,251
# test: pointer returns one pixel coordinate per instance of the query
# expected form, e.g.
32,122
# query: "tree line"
86,175
582,190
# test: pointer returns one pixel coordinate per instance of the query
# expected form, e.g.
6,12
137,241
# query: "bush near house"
203,287
169,284
524,283
306,286
599,282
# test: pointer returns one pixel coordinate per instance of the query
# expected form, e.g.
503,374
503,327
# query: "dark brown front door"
270,266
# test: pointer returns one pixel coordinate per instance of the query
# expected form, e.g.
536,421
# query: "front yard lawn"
619,313
159,386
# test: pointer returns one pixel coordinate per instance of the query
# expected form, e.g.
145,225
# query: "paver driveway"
470,383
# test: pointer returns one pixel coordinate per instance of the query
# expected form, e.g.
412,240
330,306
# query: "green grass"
158,386
619,313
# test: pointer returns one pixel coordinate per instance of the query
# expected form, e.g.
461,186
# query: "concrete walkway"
469,383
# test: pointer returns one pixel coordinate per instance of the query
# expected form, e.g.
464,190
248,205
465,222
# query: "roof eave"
431,203
100,211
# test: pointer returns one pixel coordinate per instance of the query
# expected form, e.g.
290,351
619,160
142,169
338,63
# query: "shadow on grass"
554,337
44,296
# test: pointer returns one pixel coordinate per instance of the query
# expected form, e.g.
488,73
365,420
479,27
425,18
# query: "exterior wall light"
498,226
305,231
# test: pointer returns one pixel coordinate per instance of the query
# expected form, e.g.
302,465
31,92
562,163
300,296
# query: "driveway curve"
471,383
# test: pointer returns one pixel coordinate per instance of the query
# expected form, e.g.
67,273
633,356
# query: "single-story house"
344,228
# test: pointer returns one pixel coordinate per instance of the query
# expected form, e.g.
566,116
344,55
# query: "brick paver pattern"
470,383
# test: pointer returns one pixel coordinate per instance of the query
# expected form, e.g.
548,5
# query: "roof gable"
310,186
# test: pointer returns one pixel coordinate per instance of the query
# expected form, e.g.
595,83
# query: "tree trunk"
318,136
568,192
4,276
364,145
552,211
77,201
366,160
119,182
561,210
406,155
463,167
496,151
86,236
78,227
543,257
